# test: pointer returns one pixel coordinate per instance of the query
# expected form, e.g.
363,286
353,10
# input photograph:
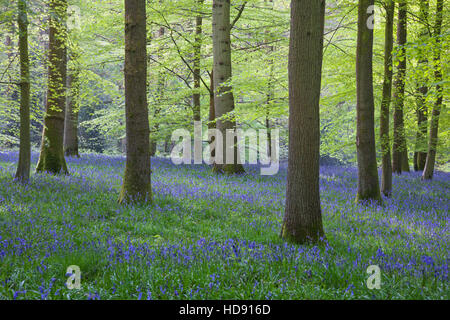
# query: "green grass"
209,237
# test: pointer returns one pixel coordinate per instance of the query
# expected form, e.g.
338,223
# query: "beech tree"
136,184
72,107
399,148
23,167
368,187
434,125
420,154
303,218
197,60
386,166
223,95
51,158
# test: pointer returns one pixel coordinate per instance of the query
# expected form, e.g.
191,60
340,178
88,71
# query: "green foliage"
260,41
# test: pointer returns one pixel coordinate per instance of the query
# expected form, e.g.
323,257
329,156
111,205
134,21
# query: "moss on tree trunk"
51,158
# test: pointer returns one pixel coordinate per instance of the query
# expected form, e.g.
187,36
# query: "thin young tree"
51,158
368,186
223,95
136,184
23,168
197,60
434,125
386,166
399,148
303,218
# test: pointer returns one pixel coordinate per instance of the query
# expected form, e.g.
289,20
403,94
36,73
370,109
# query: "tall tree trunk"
421,136
368,187
136,182
23,168
270,89
399,146
212,113
386,166
72,108
223,95
303,219
197,60
51,158
161,83
420,154
405,160
434,126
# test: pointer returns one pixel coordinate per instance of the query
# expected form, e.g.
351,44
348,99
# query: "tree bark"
303,219
368,187
136,182
386,166
270,89
434,126
399,150
421,135
23,168
212,114
51,158
161,84
223,95
72,109
197,60
420,154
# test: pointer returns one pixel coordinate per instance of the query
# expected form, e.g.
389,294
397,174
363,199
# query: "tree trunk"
136,182
422,124
399,146
197,60
420,154
405,160
303,219
23,167
51,158
212,113
270,89
223,95
386,166
368,187
161,83
434,126
72,109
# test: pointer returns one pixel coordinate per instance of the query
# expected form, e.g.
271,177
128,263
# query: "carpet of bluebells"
215,237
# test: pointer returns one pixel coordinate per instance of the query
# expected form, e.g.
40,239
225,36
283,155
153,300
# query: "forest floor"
215,237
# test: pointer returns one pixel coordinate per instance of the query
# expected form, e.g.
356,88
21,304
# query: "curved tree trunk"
51,158
303,219
386,166
368,187
23,168
223,95
434,126
399,151
136,182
